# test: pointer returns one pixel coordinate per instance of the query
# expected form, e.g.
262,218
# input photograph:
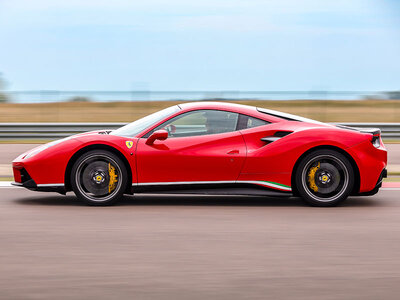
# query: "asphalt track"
179,247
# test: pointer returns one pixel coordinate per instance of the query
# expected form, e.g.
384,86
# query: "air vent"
25,176
282,133
277,135
105,132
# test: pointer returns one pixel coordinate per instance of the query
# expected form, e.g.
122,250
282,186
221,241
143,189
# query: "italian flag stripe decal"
270,184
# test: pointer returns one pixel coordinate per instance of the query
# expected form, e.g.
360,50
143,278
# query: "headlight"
43,147
36,151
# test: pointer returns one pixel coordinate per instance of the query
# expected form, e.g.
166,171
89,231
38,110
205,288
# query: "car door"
265,162
202,146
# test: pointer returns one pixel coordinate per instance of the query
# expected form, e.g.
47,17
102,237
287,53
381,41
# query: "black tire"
324,178
99,178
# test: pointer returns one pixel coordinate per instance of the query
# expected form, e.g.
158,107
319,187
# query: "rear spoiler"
373,131
376,133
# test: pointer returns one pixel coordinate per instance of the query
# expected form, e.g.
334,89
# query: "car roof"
219,105
262,113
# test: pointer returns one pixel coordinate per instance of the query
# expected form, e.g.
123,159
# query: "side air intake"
277,135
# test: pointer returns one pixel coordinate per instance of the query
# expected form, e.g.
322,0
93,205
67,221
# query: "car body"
212,148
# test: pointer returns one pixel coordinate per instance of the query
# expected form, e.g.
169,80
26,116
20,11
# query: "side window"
246,122
200,122
254,122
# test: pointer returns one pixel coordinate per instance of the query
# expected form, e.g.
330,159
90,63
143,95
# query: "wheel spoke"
325,178
98,177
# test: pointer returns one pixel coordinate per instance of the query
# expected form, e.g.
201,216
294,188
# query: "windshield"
136,127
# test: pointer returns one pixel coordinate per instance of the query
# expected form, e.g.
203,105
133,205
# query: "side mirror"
157,135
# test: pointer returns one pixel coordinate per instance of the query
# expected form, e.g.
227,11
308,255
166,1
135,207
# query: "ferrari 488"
211,148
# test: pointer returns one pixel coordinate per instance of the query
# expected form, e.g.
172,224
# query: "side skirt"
211,189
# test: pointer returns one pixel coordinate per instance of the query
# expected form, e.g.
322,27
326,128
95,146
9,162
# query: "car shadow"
192,200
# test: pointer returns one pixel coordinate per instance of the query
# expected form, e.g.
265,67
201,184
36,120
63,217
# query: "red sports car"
211,148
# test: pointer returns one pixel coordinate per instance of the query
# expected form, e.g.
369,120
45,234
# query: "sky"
159,45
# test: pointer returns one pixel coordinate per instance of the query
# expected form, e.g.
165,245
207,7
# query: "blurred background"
115,61
69,66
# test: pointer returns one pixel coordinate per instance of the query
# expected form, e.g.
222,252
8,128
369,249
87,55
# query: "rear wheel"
99,178
324,178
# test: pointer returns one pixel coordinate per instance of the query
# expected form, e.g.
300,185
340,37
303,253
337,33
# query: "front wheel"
324,178
99,178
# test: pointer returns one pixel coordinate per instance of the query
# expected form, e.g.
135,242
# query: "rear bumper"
371,163
377,186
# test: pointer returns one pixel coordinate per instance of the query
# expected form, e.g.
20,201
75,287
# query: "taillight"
376,140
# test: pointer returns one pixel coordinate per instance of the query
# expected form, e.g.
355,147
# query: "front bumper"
23,179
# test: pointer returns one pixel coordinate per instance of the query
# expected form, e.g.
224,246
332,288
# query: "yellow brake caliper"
113,178
311,177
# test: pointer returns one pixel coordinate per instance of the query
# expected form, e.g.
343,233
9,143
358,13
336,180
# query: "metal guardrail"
49,131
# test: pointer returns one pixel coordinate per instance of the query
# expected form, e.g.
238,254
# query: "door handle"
233,152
